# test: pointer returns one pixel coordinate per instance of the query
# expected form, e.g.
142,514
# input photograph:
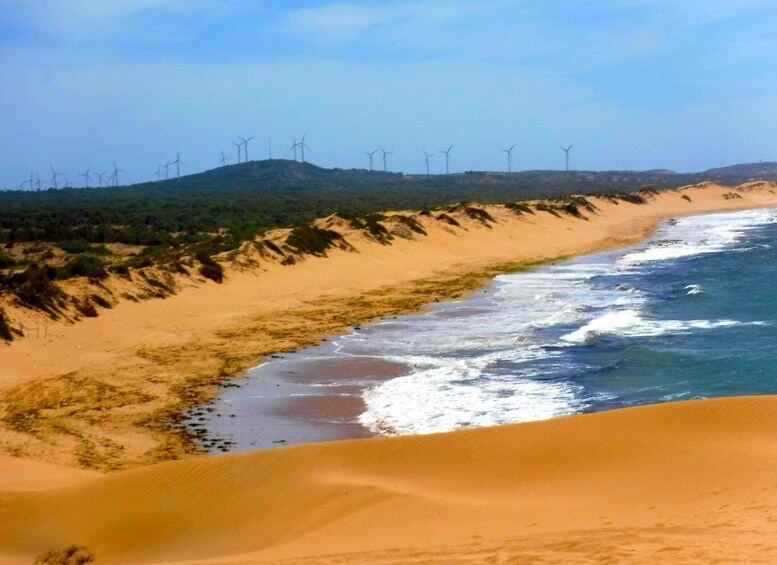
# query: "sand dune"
101,393
682,482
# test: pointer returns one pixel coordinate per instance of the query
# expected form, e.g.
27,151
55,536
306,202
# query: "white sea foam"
497,358
697,235
694,289
630,323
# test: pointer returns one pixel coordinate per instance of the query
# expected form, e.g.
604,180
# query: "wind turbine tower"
115,175
101,175
428,156
245,143
302,146
509,158
384,157
447,157
178,164
223,159
86,177
566,154
54,175
238,150
370,156
167,170
294,148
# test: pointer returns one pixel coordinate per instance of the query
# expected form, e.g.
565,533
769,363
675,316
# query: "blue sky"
634,84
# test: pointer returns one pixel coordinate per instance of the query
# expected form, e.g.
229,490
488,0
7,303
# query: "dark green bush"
212,273
375,229
410,222
519,208
479,214
6,261
75,246
210,268
448,220
5,328
272,247
84,266
100,301
544,207
310,239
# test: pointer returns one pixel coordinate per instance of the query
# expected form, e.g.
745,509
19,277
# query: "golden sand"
688,482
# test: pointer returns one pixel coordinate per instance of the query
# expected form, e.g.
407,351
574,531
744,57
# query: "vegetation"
237,202
209,268
6,333
306,238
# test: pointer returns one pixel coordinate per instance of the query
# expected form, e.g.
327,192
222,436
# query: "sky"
633,84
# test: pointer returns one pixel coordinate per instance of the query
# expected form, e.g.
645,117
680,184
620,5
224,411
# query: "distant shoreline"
102,393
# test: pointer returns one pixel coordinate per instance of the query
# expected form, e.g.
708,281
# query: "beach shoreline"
112,385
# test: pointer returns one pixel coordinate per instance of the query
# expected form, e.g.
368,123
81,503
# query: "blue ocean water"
691,313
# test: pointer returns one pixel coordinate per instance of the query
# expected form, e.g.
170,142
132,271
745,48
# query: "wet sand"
294,399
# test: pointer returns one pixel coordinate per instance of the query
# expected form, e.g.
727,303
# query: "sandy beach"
679,482
102,393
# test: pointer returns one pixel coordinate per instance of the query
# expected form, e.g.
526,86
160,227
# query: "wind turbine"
269,147
223,159
178,164
566,153
509,158
167,170
302,146
238,150
115,175
447,157
32,182
294,148
384,157
370,156
245,142
100,176
54,175
158,172
86,176
428,156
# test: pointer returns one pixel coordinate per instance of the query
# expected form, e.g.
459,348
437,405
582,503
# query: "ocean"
689,314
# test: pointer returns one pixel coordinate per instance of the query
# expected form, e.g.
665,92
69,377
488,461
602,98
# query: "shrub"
71,555
410,222
100,301
6,332
84,266
6,261
632,198
543,207
519,208
310,239
210,268
479,214
75,246
271,246
686,197
376,229
86,308
448,220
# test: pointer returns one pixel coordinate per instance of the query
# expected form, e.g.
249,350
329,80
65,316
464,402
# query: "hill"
245,199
